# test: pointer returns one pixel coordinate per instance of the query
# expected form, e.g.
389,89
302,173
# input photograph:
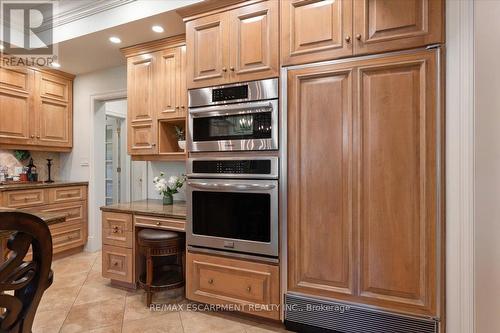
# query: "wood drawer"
25,198
220,280
75,211
68,236
65,194
117,229
160,223
117,263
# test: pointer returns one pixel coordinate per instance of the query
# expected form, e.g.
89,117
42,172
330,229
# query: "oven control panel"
230,93
255,167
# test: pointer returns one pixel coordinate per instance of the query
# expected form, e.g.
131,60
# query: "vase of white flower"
167,188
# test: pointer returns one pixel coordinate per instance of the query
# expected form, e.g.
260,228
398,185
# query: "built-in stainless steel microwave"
238,117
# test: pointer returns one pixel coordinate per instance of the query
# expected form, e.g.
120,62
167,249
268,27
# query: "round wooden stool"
160,243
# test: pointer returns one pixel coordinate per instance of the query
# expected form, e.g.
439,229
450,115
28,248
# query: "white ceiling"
94,51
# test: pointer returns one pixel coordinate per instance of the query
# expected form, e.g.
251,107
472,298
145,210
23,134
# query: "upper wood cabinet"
170,83
141,117
318,30
54,116
315,30
157,95
386,25
207,41
16,103
36,109
233,46
367,229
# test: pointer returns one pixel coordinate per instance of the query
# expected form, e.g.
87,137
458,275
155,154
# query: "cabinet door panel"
315,30
385,25
167,78
54,87
14,117
141,120
254,41
397,182
16,85
54,124
319,187
207,50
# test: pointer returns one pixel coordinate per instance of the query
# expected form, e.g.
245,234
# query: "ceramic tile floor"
80,300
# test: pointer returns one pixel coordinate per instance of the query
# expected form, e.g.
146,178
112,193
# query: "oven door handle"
223,109
226,186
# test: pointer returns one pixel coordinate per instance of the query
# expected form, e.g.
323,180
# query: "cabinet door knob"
32,136
358,36
153,145
158,223
38,136
224,69
348,39
211,281
249,288
231,68
183,107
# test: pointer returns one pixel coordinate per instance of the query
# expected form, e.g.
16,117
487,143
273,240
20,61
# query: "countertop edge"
138,212
13,187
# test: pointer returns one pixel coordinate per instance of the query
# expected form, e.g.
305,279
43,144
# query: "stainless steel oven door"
234,127
233,215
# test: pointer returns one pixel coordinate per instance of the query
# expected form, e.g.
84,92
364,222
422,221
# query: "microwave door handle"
225,186
230,108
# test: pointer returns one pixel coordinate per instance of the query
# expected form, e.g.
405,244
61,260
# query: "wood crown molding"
209,7
460,298
156,45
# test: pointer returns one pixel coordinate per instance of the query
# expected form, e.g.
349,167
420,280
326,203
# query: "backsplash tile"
8,159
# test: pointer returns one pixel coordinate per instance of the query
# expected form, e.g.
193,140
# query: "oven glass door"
245,126
234,215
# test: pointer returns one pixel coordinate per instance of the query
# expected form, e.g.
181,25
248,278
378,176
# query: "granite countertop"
22,186
150,207
48,217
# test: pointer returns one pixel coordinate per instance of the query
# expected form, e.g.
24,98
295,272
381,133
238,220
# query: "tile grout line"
79,290
182,324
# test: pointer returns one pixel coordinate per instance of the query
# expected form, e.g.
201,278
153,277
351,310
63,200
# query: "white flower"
172,181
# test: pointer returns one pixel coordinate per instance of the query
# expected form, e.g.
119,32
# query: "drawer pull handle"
158,223
211,281
115,263
249,288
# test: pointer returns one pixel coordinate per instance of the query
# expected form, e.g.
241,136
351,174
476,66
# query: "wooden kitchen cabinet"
157,94
389,25
71,200
367,229
16,103
54,114
315,30
222,280
36,109
320,30
240,44
170,86
141,117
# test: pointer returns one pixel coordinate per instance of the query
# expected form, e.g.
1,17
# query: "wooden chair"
28,280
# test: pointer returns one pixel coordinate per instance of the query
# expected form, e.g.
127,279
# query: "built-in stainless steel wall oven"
237,117
233,204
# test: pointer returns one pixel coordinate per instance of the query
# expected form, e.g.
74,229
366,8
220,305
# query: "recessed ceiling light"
55,64
115,40
157,28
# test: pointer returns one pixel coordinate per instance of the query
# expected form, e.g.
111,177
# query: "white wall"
169,169
487,166
74,165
